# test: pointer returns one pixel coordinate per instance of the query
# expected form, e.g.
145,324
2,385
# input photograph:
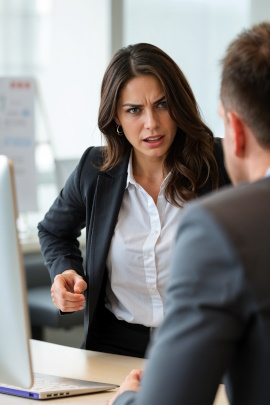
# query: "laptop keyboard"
41,384
47,384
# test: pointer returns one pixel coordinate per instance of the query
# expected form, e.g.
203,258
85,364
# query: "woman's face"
142,113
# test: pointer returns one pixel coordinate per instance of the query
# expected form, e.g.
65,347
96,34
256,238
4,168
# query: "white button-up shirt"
139,257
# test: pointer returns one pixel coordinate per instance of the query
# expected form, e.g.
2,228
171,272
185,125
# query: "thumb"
80,286
136,373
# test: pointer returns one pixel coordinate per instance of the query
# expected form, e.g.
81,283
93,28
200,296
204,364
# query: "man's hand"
131,383
67,291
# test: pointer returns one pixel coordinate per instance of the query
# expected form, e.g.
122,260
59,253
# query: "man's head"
245,97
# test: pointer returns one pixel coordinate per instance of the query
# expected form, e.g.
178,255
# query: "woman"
129,195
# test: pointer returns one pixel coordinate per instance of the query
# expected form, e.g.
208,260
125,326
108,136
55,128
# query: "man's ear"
239,134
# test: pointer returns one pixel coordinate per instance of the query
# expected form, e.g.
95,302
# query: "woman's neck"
149,173
148,168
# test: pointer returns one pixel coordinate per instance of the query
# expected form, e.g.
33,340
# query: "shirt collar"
130,177
165,181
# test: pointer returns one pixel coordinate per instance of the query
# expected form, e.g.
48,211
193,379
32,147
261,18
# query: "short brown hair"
190,159
245,82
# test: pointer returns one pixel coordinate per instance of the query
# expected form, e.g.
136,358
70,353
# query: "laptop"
16,375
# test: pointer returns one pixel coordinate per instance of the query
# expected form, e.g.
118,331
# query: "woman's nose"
151,120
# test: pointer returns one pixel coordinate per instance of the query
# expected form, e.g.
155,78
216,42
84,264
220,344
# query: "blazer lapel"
108,198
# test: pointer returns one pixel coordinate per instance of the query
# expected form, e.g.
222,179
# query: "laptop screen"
15,360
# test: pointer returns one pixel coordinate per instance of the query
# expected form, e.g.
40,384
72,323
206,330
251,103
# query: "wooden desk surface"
54,359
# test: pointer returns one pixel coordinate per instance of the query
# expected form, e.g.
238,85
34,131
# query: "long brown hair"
190,159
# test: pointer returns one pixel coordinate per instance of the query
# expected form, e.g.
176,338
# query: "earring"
119,132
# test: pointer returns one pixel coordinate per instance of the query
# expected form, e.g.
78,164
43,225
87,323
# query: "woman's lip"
155,138
156,142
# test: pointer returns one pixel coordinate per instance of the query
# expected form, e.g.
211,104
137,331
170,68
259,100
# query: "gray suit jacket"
217,321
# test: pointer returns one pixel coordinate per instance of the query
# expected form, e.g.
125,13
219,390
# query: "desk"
50,358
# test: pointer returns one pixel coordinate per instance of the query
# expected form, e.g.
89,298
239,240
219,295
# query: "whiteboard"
17,136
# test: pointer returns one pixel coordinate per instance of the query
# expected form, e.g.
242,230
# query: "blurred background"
64,46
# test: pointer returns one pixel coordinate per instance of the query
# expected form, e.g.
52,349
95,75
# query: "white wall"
64,45
70,84
259,11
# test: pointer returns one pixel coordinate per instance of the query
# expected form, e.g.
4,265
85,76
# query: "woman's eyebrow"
132,105
163,98
128,104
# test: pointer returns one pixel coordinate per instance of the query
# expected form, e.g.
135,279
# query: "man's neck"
259,167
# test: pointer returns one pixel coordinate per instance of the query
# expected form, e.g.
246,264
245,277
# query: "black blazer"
91,199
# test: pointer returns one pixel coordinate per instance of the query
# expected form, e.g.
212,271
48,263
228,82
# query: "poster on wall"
17,136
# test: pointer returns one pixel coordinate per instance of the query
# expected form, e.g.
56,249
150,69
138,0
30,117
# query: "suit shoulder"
87,171
240,206
90,162
237,194
93,155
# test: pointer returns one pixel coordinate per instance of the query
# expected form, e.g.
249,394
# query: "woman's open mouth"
154,140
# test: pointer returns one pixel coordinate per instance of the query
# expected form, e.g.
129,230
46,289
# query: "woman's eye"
162,104
133,110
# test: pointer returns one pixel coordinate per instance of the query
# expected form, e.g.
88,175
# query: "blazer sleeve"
204,319
59,230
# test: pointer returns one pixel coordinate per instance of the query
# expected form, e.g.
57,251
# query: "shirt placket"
149,259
